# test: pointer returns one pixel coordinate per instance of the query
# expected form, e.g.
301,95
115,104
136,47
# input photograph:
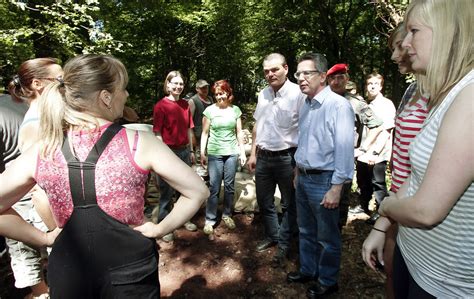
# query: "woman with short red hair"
221,145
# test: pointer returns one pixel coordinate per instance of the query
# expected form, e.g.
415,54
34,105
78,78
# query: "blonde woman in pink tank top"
106,210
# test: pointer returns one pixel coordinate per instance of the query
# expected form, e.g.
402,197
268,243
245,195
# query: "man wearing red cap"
338,77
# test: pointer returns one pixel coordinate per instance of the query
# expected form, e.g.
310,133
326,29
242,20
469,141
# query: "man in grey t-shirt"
197,104
11,116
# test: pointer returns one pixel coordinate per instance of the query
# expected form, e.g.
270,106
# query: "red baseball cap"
340,68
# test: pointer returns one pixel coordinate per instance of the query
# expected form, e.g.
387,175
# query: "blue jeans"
272,171
166,192
220,167
320,239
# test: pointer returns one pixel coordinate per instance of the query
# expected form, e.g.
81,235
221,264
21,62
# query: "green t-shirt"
222,132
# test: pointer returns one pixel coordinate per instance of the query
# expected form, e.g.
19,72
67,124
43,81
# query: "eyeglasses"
177,83
306,74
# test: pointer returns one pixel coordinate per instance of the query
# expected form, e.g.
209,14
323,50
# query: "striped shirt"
407,125
440,258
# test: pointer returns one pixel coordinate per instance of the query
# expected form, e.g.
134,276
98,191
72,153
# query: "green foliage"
208,39
59,29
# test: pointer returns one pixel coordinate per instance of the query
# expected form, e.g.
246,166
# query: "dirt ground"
228,267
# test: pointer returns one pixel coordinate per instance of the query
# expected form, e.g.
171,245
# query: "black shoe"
373,218
264,245
320,291
298,277
279,258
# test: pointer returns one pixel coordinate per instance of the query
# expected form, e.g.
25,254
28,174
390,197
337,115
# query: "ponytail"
20,87
52,108
70,101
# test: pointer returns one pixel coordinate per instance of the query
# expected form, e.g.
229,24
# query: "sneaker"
190,226
208,229
229,222
168,237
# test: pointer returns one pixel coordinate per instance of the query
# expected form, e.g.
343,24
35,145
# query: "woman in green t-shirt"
221,145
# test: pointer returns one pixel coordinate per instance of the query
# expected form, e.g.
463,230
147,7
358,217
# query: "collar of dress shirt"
282,91
320,96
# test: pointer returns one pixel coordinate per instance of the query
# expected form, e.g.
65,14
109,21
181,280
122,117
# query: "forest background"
206,39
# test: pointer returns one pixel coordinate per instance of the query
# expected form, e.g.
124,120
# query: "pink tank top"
119,181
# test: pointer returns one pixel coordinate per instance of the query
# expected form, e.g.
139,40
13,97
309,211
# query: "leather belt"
304,171
267,153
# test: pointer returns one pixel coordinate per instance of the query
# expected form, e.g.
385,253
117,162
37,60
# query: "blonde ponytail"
52,108
71,101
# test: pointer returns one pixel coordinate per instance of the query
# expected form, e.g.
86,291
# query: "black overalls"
96,256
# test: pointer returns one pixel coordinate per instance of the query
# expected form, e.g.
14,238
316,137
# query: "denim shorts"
26,261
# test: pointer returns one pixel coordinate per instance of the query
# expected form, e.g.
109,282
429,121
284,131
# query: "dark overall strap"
82,174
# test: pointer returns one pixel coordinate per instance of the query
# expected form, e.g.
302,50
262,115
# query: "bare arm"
240,140
252,162
190,144
372,135
15,182
373,247
204,137
381,140
17,179
192,107
28,136
13,226
450,170
154,155
158,135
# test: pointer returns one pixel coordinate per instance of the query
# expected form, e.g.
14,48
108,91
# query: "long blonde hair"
452,45
71,101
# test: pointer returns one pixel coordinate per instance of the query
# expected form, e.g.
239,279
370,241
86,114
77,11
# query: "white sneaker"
208,229
229,222
168,237
190,226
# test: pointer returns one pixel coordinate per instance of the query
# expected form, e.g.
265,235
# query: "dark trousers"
270,172
403,283
3,245
344,204
371,180
166,191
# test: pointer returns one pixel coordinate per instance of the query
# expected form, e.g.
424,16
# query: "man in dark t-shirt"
11,116
197,103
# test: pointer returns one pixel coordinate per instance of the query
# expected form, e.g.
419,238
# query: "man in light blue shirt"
325,160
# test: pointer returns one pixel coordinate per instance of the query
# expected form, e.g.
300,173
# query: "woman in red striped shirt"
411,114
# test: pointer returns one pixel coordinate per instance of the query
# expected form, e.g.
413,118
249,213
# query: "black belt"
267,153
304,171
